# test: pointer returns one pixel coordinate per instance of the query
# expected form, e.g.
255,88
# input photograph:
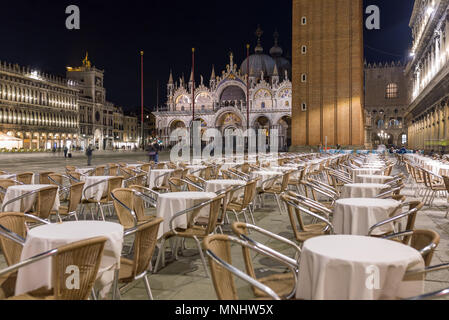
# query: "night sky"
33,34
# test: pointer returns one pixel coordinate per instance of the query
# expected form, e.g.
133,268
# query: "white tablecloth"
168,204
366,178
220,185
357,172
356,216
8,176
265,175
357,268
97,192
153,174
362,190
26,204
48,237
84,170
196,169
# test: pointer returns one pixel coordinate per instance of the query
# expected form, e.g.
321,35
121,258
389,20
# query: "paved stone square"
185,279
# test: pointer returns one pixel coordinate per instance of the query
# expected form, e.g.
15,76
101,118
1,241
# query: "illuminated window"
404,139
392,91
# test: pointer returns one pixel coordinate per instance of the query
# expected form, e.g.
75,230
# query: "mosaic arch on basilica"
222,104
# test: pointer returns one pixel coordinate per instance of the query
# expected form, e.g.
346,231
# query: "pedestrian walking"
66,151
156,150
151,153
89,152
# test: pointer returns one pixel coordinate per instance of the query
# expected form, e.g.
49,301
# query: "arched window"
392,91
404,138
380,124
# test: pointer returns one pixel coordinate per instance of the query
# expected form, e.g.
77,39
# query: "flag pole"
193,85
142,121
247,86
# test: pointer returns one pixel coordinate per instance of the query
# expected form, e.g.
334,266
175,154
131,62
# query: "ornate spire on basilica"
212,76
276,51
170,80
259,34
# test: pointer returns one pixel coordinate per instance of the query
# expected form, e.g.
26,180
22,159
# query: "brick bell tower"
328,73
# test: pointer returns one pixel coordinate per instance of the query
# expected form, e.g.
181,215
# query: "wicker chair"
57,179
99,171
140,180
413,208
129,206
70,168
86,255
106,200
4,185
74,200
25,178
144,245
278,189
43,177
425,241
113,169
298,205
284,284
218,250
176,184
194,183
193,230
243,205
13,222
44,203
74,177
161,166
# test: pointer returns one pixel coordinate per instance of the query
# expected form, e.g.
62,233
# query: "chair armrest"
29,261
19,198
318,217
392,219
242,275
184,212
93,185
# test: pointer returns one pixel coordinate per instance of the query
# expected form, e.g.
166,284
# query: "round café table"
216,186
362,190
265,175
357,215
26,204
52,236
169,204
154,174
367,178
377,172
98,191
345,267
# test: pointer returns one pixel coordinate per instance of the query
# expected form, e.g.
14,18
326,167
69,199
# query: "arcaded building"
428,114
38,111
387,96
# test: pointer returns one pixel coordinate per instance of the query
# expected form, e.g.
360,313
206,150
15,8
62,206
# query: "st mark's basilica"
222,104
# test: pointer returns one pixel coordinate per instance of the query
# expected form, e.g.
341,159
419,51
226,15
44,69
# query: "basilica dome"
258,62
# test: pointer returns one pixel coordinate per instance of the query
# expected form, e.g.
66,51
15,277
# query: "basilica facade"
222,103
